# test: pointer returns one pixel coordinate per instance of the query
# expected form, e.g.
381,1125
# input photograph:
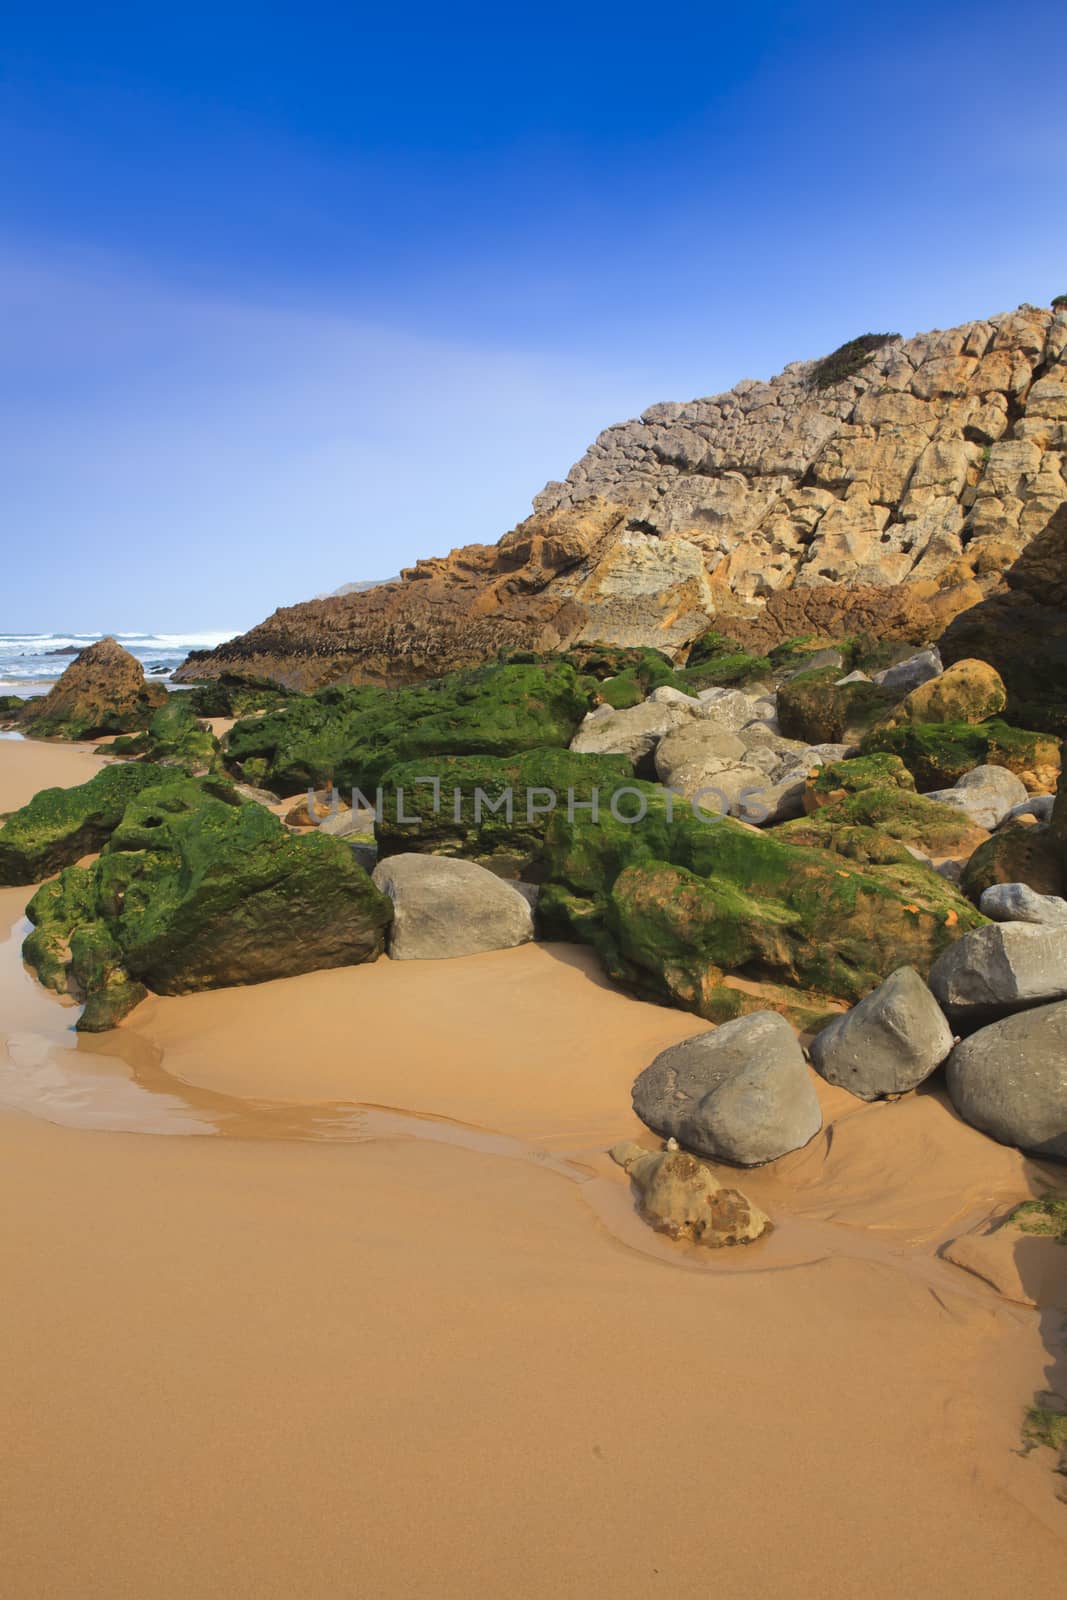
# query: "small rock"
889,1043
446,907
852,677
739,1093
1010,1080
998,969
682,1197
1017,902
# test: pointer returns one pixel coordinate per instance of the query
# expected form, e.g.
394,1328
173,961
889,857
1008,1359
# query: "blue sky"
289,297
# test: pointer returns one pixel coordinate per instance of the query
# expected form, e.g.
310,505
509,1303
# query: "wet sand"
319,1351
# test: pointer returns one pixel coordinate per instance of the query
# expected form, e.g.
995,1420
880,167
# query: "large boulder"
880,824
938,754
890,1043
968,691
633,733
676,906
1010,1080
176,737
836,779
1017,902
200,890
352,736
693,745
741,1093
59,826
985,796
102,691
1016,853
492,809
444,907
815,707
998,969
681,1196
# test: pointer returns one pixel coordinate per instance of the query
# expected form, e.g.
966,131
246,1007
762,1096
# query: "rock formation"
102,691
924,484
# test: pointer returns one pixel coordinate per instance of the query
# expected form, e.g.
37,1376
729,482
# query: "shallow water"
117,1083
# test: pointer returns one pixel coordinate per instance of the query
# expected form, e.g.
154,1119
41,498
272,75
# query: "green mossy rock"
176,737
59,825
938,754
352,736
198,892
812,707
233,697
11,707
1019,853
865,825
513,846
676,908
839,778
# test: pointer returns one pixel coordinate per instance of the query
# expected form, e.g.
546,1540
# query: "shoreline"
286,1340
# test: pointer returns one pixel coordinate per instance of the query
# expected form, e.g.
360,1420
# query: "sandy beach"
378,1318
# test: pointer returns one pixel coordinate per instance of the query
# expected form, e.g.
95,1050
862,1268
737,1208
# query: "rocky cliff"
889,489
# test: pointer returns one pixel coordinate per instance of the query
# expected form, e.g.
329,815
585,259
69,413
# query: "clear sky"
290,295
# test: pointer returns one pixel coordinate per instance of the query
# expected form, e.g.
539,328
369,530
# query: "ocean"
31,662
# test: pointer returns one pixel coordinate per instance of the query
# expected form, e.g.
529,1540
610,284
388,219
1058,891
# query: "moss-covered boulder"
1018,853
58,826
711,915
175,736
968,691
875,824
465,810
195,891
102,691
352,736
812,706
11,708
234,697
938,754
837,779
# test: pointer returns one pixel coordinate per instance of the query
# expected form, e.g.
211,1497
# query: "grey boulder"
984,795
739,1093
1001,968
887,1044
444,907
1017,902
910,674
634,732
1038,806
695,743
1010,1080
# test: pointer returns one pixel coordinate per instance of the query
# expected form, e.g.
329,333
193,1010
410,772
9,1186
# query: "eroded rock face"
102,691
888,503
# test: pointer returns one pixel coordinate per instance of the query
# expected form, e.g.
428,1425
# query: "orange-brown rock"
102,691
889,503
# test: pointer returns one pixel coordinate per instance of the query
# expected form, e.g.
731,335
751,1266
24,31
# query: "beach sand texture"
378,1317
